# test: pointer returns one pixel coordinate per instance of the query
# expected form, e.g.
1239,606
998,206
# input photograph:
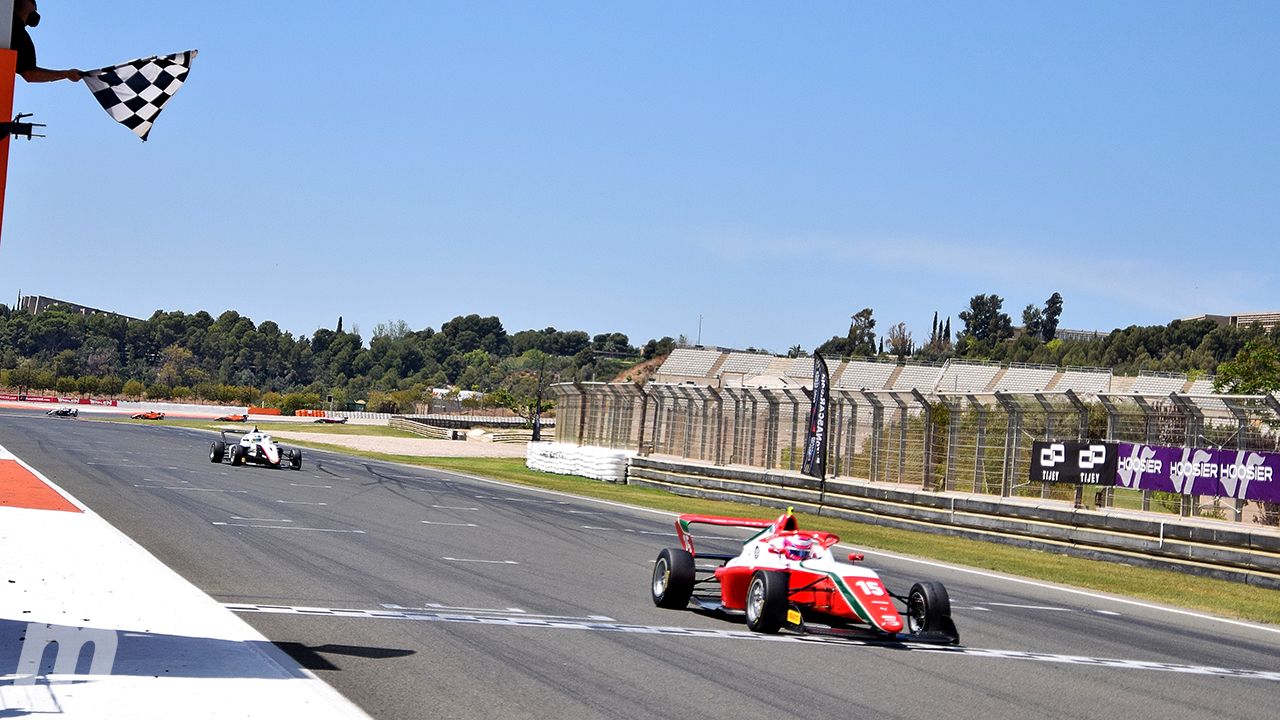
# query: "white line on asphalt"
300,502
237,517
1107,612
518,499
428,522
652,532
288,527
433,607
490,562
1031,607
326,487
452,507
191,489
434,615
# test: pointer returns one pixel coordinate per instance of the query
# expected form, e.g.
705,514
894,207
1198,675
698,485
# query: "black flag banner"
815,444
134,93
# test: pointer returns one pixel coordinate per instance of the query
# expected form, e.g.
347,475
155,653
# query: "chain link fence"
964,442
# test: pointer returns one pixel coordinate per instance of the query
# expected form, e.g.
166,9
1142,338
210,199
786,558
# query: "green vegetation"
230,359
268,427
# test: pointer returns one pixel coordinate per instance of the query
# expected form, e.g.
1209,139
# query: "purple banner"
1240,474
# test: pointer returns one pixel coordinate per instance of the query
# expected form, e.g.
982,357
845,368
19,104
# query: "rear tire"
237,455
767,600
217,451
929,609
673,579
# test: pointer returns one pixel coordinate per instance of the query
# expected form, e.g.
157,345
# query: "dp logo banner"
1080,463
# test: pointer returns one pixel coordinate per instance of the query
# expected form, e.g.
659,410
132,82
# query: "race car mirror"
856,557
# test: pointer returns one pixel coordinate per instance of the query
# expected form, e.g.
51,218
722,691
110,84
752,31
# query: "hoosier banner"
1239,474
1081,463
815,446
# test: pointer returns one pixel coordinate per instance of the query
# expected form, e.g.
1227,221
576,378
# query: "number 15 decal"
870,587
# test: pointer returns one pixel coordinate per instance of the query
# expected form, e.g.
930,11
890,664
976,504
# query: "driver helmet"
797,547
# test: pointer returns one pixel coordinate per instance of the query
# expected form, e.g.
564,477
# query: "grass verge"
272,427
1217,597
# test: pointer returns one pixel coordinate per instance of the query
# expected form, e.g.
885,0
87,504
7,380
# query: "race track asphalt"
460,598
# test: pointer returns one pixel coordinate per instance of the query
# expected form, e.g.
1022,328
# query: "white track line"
449,524
300,502
451,507
488,562
287,527
326,487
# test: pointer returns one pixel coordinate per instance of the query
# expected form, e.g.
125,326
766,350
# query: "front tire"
767,600
672,584
295,461
237,455
217,451
929,609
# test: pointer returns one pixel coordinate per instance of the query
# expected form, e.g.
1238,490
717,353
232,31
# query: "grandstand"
964,377
1025,379
686,363
1154,384
726,368
1084,381
746,363
860,375
918,377
1203,386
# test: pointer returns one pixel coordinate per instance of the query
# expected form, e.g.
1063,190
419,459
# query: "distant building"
1265,320
36,304
1067,334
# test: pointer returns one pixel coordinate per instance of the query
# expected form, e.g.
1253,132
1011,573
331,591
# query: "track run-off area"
423,593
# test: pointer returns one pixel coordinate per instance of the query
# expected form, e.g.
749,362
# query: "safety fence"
963,442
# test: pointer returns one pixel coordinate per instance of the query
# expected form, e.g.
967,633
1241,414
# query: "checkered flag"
134,93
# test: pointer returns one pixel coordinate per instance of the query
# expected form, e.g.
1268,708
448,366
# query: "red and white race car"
254,447
785,577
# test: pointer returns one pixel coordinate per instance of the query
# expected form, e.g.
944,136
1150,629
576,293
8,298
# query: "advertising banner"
815,445
1239,474
1080,463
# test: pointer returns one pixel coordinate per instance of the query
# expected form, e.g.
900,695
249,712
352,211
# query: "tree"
862,336
133,389
984,322
1032,321
1254,371
796,352
899,340
1049,324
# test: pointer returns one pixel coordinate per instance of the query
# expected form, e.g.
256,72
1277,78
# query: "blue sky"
608,166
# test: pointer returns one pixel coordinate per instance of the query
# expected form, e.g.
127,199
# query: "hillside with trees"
231,359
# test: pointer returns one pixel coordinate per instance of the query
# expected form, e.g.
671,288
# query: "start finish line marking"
553,623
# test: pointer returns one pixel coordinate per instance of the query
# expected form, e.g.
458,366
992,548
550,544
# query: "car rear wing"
684,522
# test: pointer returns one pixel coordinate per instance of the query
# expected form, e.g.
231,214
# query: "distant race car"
64,412
785,577
331,421
254,447
148,415
233,418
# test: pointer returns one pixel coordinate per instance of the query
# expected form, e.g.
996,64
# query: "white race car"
255,447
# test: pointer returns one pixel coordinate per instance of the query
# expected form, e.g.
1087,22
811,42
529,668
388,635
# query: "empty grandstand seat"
1025,379
746,363
1158,384
860,374
692,363
963,377
1084,381
918,377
